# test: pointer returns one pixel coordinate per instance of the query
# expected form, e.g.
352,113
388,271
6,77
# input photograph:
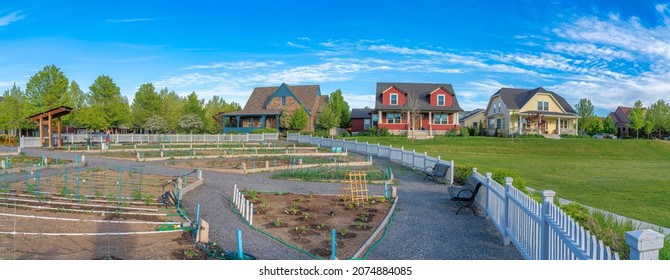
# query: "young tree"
328,119
636,118
91,118
155,124
608,125
15,109
340,107
47,89
659,115
595,125
76,99
412,111
172,109
648,128
190,122
299,120
193,105
285,119
106,96
147,103
585,111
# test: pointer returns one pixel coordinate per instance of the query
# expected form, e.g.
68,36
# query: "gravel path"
425,227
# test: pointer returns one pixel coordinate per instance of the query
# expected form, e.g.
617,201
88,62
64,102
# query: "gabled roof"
361,113
307,95
516,98
620,115
469,114
422,90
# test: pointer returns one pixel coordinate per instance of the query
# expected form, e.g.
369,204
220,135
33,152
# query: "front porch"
249,123
430,123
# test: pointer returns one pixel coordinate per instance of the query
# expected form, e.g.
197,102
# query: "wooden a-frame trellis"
355,187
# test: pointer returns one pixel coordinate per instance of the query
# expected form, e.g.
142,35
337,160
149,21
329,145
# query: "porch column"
41,133
576,126
455,120
379,114
408,123
520,124
237,124
277,121
263,121
58,126
559,126
430,123
50,131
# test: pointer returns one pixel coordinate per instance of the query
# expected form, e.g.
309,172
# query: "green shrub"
567,136
472,131
383,132
530,135
578,212
234,132
500,174
345,134
264,130
464,132
462,172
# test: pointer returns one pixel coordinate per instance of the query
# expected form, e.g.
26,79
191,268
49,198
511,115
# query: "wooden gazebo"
46,118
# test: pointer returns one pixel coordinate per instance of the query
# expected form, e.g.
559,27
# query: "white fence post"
505,218
644,244
451,170
547,198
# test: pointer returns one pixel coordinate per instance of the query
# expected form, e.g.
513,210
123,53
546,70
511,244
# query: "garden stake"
240,253
333,242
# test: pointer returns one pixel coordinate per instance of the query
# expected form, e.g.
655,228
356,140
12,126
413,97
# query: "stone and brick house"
266,104
621,121
436,106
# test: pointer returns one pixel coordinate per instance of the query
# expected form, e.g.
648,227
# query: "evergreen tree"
106,97
299,120
147,103
608,125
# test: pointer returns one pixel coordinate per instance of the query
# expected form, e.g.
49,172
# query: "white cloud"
591,50
304,39
11,17
240,65
291,44
6,84
128,20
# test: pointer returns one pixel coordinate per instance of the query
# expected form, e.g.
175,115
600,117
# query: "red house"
434,106
362,119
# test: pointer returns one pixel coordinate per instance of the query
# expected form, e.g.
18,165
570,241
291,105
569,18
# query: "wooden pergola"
46,118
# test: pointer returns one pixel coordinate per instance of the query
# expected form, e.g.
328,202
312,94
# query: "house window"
393,118
499,124
283,100
366,124
474,125
543,106
394,99
440,100
440,118
564,124
375,120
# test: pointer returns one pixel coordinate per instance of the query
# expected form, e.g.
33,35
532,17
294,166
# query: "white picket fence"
70,138
399,155
540,231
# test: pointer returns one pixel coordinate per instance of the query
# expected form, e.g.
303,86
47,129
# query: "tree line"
103,106
651,122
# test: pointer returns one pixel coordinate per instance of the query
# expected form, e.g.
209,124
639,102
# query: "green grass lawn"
627,177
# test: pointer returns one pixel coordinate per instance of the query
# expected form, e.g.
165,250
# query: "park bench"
437,173
465,197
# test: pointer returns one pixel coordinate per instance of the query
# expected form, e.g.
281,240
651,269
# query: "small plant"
344,232
264,205
137,195
252,195
320,226
363,216
293,210
190,254
383,199
305,216
110,198
97,169
62,190
359,224
148,199
277,222
350,206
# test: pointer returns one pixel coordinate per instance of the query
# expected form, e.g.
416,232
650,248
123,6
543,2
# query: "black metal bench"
437,173
465,197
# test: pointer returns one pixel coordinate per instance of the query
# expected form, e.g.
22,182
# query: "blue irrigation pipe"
386,191
240,253
333,242
56,159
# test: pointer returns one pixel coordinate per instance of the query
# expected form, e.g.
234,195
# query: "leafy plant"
277,222
252,195
383,199
344,232
359,224
320,226
190,254
137,195
305,216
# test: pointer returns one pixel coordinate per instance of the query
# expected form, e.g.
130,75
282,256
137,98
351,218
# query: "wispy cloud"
127,20
6,84
291,44
11,17
304,39
240,65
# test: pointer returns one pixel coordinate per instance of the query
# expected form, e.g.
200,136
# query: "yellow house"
474,118
535,111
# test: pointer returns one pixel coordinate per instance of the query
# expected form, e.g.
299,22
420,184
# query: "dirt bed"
306,221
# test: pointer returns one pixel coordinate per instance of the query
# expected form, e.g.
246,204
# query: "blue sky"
612,52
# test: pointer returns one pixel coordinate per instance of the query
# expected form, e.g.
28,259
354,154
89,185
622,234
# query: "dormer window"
394,99
440,100
543,106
